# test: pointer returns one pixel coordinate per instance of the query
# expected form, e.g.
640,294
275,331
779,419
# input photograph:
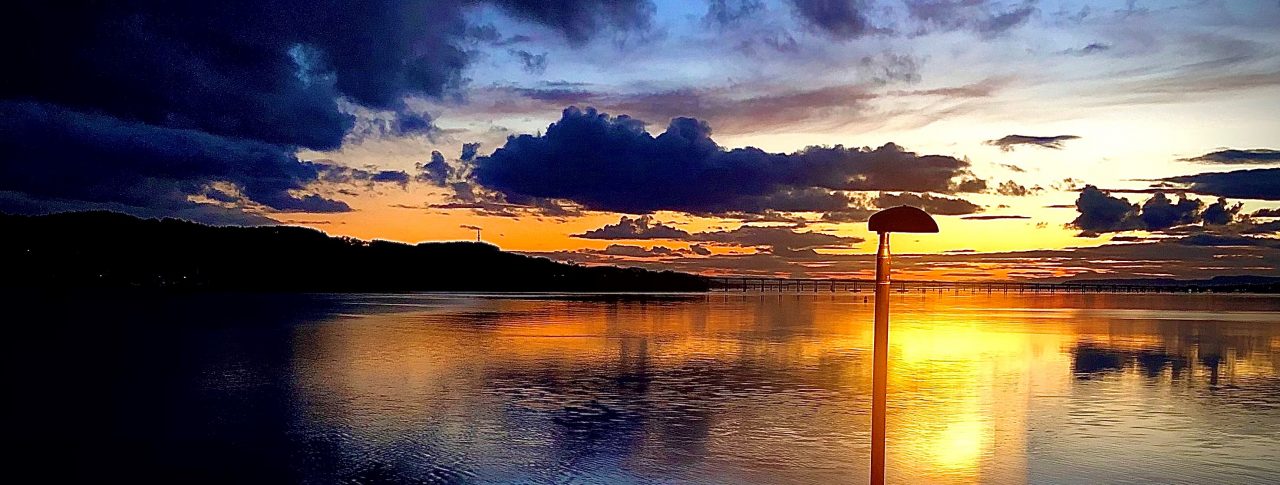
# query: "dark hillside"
110,250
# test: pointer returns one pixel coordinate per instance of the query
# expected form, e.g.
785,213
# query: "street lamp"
898,219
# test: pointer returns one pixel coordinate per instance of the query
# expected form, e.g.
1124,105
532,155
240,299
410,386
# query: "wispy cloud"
1008,143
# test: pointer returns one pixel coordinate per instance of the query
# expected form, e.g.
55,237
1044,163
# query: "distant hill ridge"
113,250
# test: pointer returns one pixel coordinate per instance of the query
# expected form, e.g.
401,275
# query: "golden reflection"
750,387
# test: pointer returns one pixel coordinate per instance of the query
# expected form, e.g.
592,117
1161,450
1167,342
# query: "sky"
1051,139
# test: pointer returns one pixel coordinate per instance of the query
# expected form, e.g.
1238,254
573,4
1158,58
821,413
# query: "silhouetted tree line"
112,250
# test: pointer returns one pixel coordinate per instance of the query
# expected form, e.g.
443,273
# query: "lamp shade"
902,219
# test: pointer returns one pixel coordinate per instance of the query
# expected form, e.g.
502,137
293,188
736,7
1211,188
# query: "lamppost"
898,219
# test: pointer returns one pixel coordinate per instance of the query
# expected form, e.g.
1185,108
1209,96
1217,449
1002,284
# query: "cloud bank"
1261,184
612,163
1259,156
1101,212
150,106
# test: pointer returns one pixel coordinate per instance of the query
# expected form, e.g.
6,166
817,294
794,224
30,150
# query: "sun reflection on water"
733,388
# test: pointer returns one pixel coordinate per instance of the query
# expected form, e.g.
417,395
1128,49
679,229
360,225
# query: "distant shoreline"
108,250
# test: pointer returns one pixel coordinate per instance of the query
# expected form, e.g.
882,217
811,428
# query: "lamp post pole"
896,219
880,362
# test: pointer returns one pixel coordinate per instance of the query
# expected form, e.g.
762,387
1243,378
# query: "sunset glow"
750,137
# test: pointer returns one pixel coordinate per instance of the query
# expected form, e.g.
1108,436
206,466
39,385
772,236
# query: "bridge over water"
761,284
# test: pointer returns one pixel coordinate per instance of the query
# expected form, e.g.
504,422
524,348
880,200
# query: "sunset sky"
1049,138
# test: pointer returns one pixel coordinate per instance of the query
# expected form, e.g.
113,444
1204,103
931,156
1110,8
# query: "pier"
760,284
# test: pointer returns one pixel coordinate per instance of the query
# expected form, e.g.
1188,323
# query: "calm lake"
719,388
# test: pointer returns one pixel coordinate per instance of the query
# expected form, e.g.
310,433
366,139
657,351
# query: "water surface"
720,388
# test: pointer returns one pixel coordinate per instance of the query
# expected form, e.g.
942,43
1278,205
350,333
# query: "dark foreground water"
704,389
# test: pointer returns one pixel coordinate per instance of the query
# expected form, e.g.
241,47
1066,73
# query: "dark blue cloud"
1261,184
147,103
841,19
390,176
612,163
1221,212
262,70
1101,212
1159,212
469,151
50,152
435,172
1260,156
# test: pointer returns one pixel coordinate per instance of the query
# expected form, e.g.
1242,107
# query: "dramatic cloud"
1101,212
1259,156
436,172
943,206
1159,212
145,104
1262,183
612,163
840,19
1010,142
50,152
1221,212
469,151
643,227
